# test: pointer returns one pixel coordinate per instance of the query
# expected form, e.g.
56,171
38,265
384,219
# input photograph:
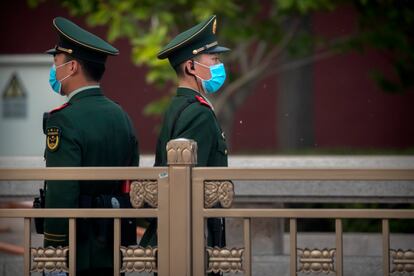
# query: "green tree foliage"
258,32
389,26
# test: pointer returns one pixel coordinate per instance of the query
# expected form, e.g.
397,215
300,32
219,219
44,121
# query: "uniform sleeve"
135,152
199,127
61,194
134,144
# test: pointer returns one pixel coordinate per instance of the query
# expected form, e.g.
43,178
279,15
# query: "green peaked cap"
79,43
200,39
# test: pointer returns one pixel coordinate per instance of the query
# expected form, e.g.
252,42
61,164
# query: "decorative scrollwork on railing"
402,260
315,260
224,260
139,259
144,191
218,191
50,259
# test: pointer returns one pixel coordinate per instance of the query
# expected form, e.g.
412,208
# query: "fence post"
181,156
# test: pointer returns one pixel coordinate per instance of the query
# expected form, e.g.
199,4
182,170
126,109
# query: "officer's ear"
75,66
189,67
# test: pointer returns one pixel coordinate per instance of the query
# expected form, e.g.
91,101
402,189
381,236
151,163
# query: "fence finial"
182,152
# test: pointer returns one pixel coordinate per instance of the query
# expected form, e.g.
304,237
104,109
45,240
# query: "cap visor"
217,49
51,51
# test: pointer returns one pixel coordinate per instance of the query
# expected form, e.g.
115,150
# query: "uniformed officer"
194,55
88,130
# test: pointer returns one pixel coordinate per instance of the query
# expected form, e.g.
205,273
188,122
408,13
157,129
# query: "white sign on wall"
25,95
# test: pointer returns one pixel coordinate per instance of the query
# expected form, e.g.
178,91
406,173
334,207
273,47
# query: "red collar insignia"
58,108
202,101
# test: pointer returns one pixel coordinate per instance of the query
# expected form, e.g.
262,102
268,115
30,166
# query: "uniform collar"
189,92
88,91
186,91
73,93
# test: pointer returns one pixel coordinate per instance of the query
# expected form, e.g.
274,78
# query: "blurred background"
311,84
304,77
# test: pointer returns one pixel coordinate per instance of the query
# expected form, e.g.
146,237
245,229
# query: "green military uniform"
191,116
89,130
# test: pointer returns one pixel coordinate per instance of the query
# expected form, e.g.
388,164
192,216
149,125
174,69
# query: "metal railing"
38,259
182,197
316,261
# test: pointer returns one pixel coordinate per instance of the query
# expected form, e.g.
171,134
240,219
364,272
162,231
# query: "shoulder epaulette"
59,108
202,101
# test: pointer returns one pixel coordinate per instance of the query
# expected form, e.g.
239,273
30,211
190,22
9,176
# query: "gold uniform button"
225,152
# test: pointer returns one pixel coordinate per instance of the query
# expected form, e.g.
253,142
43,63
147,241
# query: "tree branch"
244,66
275,53
235,85
321,54
260,51
231,89
301,62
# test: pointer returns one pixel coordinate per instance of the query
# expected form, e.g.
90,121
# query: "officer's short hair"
93,71
179,70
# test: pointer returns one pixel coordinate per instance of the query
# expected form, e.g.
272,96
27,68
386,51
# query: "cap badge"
214,26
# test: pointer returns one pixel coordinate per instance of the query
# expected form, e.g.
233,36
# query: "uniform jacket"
198,122
191,116
90,130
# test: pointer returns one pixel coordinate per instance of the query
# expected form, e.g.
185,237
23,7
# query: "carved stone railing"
182,152
402,261
50,259
316,260
139,259
181,198
144,191
218,192
224,260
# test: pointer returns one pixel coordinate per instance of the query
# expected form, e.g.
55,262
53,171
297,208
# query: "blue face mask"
55,83
218,76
